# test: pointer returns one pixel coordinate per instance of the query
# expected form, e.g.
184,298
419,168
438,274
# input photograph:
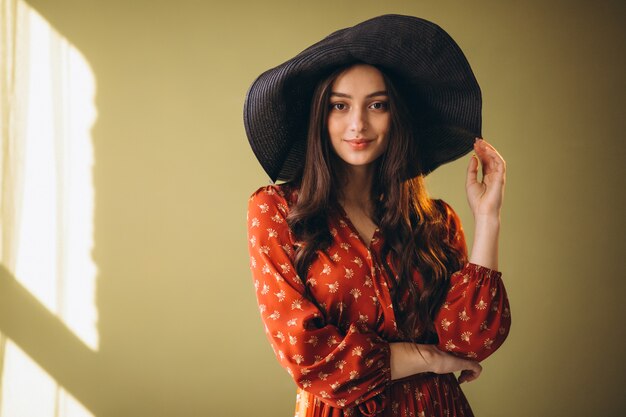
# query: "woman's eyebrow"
374,94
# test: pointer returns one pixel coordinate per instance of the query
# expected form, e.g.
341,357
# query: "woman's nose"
358,120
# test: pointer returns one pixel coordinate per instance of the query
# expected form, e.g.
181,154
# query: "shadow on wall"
53,346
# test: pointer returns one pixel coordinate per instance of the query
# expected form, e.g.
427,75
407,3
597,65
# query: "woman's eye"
337,106
379,105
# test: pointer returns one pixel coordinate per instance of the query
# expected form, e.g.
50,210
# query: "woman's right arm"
341,368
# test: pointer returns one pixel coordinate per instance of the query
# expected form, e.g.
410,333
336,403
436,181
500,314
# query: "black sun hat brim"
432,73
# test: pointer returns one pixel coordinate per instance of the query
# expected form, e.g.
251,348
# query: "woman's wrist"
485,246
487,219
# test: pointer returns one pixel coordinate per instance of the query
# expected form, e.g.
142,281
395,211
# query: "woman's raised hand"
485,197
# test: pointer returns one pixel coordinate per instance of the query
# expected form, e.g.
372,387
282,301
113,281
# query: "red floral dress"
337,351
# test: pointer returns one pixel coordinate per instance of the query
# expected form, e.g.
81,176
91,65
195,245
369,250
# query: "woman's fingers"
472,171
469,375
489,157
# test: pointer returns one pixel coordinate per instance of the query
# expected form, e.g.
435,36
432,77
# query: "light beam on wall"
55,228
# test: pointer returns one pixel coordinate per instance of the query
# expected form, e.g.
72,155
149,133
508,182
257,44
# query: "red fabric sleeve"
343,370
475,318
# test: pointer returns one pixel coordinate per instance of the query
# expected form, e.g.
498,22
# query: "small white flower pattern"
358,261
445,324
265,290
285,268
481,305
335,349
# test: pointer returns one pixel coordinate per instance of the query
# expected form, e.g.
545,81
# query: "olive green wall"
179,328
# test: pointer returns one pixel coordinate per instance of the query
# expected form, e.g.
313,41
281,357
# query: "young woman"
368,296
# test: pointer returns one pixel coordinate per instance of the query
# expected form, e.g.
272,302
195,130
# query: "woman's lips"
359,143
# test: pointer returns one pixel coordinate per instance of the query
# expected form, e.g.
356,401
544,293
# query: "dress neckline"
353,228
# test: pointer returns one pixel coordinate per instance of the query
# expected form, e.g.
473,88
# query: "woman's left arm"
485,200
475,318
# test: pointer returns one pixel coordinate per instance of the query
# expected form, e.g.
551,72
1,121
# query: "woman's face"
358,119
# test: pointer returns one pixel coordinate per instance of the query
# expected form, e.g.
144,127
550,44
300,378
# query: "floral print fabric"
336,349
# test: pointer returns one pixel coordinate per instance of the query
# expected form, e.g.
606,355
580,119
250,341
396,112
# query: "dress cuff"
377,404
480,270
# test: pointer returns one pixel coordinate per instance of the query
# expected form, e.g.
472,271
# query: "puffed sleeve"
342,369
475,317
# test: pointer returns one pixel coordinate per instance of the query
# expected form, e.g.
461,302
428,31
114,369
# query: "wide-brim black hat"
427,67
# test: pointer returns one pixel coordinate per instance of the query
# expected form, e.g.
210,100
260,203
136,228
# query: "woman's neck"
357,186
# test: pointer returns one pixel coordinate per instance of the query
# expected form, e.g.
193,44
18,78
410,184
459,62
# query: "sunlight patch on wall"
55,228
32,392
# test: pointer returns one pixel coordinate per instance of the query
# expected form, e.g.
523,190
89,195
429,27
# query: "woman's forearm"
406,359
409,359
485,247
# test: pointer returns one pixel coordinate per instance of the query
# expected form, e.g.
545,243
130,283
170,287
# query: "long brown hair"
414,227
